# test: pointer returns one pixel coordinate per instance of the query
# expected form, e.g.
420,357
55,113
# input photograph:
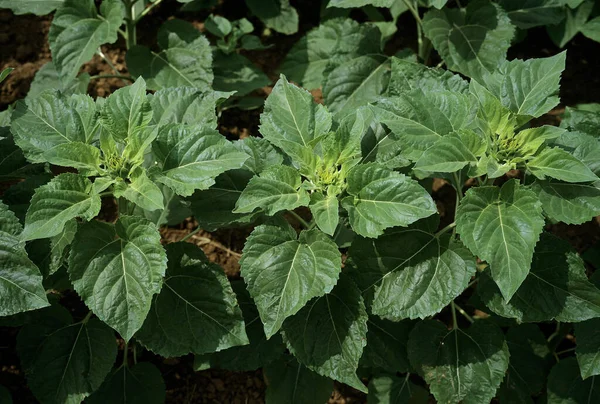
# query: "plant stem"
107,193
147,10
87,317
565,351
107,60
473,282
464,313
458,186
195,231
135,354
112,76
130,24
303,222
454,321
125,354
445,229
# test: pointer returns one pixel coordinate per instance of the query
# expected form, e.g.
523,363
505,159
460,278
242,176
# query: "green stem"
147,10
303,222
107,193
87,317
454,320
112,76
130,24
473,282
135,354
125,364
565,351
445,229
195,231
464,313
107,60
458,186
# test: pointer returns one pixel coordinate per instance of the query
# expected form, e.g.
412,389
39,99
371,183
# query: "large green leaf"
185,58
37,7
330,44
588,342
9,223
13,164
141,191
290,382
65,361
139,384
464,366
472,42
565,385
584,147
48,78
561,165
291,119
420,119
325,211
235,72
389,389
416,281
278,15
258,353
283,271
527,371
329,334
277,188
355,83
575,17
116,269
502,226
18,196
582,118
556,288
191,157
386,345
77,31
64,198
568,203
213,208
408,75
57,129
532,13
187,105
449,154
359,3
196,310
382,198
20,280
262,154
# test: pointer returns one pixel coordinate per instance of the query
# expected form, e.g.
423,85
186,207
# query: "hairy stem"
191,234
464,313
130,24
87,317
303,222
147,10
445,229
113,76
125,348
454,320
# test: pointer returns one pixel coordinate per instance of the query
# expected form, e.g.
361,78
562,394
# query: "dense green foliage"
369,292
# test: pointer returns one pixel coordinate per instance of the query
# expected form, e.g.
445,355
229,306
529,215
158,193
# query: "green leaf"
141,191
283,272
37,7
329,334
20,280
558,275
278,15
275,189
196,310
116,269
449,154
502,226
575,18
533,13
139,384
416,281
47,78
331,44
359,3
355,83
185,58
262,154
408,75
213,208
382,198
588,343
18,196
472,42
568,203
77,31
418,120
13,164
6,72
565,385
291,119
217,25
459,365
582,120
583,147
186,105
234,72
386,345
290,382
65,361
9,223
64,198
57,129
191,157
325,210
558,163
259,353
59,246
531,87
527,371
388,389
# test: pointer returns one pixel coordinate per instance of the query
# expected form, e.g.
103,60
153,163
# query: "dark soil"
23,46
